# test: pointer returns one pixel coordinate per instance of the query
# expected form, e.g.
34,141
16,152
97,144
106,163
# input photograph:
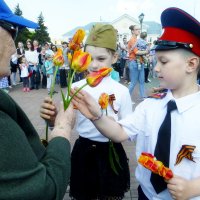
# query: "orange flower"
94,78
149,161
75,43
58,58
80,60
104,100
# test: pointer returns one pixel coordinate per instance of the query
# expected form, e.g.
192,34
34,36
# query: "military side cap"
181,30
102,35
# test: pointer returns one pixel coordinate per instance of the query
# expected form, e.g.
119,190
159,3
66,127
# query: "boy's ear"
193,63
115,58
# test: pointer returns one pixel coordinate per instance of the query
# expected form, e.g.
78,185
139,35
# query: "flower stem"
69,101
53,83
51,94
70,84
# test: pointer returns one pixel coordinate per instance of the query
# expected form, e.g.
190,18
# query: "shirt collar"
183,103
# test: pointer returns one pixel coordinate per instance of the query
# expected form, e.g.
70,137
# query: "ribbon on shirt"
158,93
185,152
111,99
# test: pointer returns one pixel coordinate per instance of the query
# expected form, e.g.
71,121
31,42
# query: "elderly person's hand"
64,122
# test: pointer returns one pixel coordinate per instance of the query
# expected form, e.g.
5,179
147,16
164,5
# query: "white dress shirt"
122,104
143,125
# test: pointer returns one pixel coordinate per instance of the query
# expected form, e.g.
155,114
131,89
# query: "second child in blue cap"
165,125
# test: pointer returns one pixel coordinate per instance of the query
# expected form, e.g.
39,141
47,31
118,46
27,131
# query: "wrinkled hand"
64,122
48,111
86,104
179,188
65,118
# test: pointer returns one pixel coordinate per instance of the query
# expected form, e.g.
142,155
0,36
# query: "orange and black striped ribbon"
111,99
185,152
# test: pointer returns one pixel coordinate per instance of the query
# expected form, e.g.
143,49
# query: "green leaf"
116,155
111,159
64,101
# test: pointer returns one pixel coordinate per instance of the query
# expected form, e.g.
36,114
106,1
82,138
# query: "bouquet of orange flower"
104,101
149,161
79,62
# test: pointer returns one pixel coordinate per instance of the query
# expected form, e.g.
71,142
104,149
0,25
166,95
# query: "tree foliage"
41,34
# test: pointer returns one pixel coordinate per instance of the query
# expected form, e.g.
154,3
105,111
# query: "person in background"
142,45
37,48
65,52
153,60
20,53
124,50
32,59
43,69
28,169
55,49
48,49
49,67
24,73
136,74
14,66
4,84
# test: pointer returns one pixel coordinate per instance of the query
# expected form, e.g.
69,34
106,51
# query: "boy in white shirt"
166,127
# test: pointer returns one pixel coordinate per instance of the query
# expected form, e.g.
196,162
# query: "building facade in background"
122,24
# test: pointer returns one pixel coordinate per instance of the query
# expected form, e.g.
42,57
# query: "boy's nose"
156,68
94,65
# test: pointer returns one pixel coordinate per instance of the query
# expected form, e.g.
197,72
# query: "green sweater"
28,170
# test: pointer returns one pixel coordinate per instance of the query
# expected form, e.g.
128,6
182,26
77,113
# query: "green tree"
41,34
24,33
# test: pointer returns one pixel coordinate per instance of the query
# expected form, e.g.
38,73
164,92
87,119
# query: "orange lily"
80,60
75,43
149,161
104,100
58,58
94,78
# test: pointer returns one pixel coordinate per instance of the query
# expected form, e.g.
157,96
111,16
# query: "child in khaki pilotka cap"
92,174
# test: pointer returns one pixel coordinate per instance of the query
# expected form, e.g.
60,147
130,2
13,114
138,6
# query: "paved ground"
30,103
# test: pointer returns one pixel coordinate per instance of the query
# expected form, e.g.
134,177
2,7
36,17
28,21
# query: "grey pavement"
30,102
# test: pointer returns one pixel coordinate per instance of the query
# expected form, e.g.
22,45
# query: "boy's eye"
163,61
101,59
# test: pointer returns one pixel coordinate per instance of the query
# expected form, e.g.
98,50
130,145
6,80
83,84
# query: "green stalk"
51,94
69,101
69,85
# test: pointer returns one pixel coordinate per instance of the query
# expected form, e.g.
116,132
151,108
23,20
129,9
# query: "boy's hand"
48,111
86,104
179,188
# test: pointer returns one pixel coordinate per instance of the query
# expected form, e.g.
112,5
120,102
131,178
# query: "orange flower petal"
58,58
75,43
80,61
148,161
104,100
94,78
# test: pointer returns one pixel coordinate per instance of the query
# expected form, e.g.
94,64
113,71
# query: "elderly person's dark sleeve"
27,169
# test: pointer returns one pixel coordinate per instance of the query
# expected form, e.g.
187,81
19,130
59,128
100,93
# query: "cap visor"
22,22
163,47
